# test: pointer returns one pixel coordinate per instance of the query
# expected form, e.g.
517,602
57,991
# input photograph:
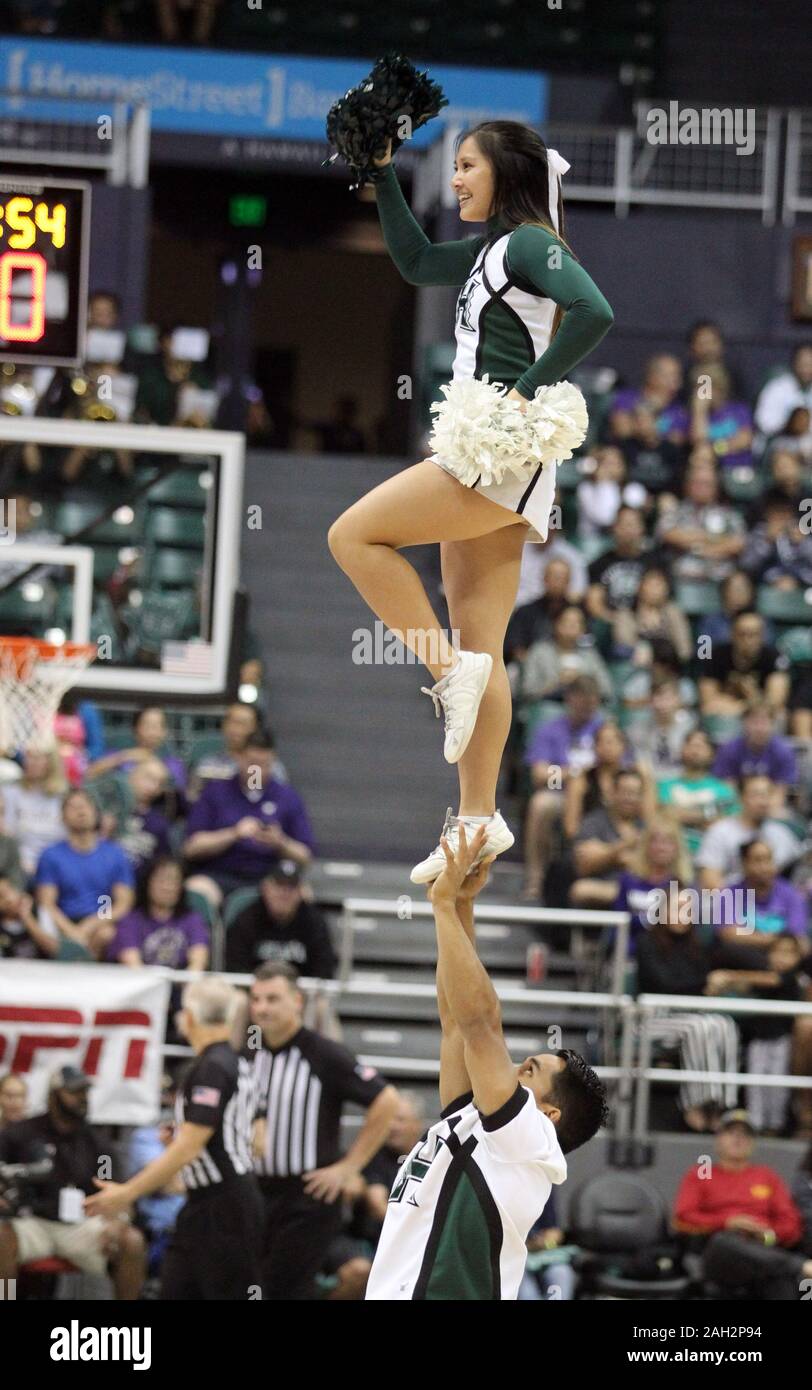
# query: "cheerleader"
527,313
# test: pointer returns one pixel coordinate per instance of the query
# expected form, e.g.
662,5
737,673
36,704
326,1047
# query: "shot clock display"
44,236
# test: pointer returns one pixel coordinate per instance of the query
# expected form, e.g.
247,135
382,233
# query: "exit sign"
247,210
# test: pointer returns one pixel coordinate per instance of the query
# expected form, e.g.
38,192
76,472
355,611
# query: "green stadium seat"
73,516
235,902
741,485
171,526
105,563
180,488
721,727
785,605
161,617
171,569
698,598
796,643
33,613
592,547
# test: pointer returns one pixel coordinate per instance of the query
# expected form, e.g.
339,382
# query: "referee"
302,1081
214,1253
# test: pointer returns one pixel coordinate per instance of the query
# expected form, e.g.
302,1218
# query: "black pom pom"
391,102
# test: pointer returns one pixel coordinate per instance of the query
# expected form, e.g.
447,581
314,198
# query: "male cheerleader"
468,1193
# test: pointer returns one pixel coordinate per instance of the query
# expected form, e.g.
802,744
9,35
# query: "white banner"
107,1020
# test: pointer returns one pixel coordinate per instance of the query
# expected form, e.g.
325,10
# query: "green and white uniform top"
463,1203
511,281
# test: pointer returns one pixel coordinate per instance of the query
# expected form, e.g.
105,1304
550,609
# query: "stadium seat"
172,526
721,727
698,598
235,902
785,605
620,1220
173,569
796,643
741,485
180,488
33,612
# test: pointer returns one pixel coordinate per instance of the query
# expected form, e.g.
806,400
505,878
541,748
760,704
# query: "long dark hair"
521,193
182,906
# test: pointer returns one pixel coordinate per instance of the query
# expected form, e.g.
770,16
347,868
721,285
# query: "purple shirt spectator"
563,745
783,909
673,417
159,942
223,804
173,765
726,422
144,836
776,759
639,897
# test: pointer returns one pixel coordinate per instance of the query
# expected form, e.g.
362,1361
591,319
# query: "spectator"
797,437
725,424
744,672
341,434
745,1217
238,828
186,21
660,864
719,854
781,549
551,665
656,661
671,959
13,1098
651,425
163,928
706,348
103,309
593,787
556,749
737,595
607,843
10,866
654,614
158,1212
159,396
240,722
615,577
129,812
547,1270
21,935
658,735
761,904
705,534
693,796
84,883
71,739
784,393
536,558
151,733
33,805
533,622
599,495
768,1036
802,1197
280,925
78,1155
759,749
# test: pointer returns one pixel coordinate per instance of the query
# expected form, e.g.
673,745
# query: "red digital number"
35,264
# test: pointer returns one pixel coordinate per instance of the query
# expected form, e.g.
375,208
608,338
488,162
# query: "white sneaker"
497,840
459,694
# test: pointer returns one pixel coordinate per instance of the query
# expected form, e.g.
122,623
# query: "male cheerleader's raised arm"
469,996
540,264
419,261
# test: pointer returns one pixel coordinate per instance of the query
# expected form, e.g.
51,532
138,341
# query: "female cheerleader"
526,315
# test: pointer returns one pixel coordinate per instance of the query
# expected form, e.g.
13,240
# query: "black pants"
215,1250
733,1260
298,1232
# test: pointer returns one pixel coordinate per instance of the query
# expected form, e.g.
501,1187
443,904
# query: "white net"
33,678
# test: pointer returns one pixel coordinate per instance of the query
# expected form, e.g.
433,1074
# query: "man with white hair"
214,1253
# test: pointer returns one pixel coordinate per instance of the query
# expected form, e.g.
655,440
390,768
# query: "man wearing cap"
50,1221
749,1216
281,925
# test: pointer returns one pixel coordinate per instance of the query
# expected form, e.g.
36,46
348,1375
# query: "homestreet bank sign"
217,93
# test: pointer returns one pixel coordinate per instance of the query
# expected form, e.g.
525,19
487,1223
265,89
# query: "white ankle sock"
477,820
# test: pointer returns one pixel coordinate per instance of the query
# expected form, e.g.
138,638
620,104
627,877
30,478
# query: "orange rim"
24,650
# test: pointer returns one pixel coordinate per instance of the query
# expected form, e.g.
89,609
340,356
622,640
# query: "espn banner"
107,1020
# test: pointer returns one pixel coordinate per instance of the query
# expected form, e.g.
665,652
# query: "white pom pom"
480,434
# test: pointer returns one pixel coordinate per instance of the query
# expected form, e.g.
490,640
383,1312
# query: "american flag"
205,1095
186,658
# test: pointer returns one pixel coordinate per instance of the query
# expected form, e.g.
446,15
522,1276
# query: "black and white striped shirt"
300,1089
217,1091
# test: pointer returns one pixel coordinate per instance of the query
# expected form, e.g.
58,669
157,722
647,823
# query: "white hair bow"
557,167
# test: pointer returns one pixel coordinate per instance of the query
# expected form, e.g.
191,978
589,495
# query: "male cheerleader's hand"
387,158
475,880
446,887
328,1184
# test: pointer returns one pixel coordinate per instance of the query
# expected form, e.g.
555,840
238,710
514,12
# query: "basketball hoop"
34,676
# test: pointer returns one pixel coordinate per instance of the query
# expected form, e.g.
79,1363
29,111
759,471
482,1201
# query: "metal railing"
93,134
797,167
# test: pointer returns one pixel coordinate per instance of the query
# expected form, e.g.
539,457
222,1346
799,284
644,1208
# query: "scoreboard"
44,244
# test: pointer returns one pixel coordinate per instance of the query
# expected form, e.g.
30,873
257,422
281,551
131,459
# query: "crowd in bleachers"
661,663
